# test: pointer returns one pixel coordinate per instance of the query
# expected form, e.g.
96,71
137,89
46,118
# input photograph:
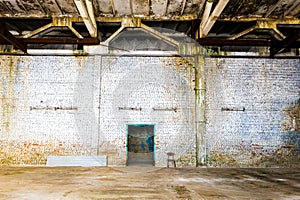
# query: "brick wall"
52,105
46,107
252,111
147,90
55,105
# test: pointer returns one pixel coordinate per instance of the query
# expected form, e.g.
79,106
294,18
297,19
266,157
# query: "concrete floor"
148,183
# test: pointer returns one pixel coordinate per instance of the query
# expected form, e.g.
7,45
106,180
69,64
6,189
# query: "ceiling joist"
183,7
267,24
87,13
7,36
56,22
273,8
80,41
204,30
288,42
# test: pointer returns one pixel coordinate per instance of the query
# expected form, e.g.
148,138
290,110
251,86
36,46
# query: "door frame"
154,138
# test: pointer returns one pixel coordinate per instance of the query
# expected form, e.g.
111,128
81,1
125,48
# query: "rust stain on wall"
8,73
292,121
36,153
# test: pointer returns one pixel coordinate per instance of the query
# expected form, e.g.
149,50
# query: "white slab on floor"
76,161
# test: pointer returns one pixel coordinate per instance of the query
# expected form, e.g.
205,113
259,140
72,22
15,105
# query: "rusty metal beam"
6,35
244,42
81,41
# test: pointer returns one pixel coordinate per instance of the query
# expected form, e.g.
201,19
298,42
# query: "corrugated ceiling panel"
122,7
193,6
140,7
174,7
158,7
67,7
104,7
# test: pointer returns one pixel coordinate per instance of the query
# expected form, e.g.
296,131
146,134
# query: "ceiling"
228,25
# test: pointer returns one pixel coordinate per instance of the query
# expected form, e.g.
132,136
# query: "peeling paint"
35,153
292,123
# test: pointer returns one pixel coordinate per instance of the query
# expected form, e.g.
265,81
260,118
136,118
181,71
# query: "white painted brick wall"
146,83
265,88
54,104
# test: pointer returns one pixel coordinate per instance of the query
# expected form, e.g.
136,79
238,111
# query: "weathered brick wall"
55,105
52,105
253,112
147,90
47,108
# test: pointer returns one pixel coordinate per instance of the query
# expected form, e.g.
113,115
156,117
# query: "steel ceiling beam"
183,7
295,5
131,7
272,25
7,36
273,8
166,5
288,42
112,3
81,41
206,13
41,7
56,22
213,18
244,42
87,14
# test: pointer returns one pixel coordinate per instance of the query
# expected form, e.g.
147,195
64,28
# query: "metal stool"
171,159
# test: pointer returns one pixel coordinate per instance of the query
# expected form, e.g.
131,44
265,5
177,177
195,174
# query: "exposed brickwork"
53,105
147,90
247,103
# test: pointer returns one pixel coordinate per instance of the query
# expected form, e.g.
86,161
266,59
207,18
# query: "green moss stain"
216,159
8,73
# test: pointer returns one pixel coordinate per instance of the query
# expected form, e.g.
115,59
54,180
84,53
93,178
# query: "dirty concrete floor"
148,183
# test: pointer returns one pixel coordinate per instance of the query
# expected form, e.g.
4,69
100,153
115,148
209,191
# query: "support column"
200,90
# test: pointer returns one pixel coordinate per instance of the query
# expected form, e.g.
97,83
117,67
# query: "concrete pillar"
195,51
200,110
